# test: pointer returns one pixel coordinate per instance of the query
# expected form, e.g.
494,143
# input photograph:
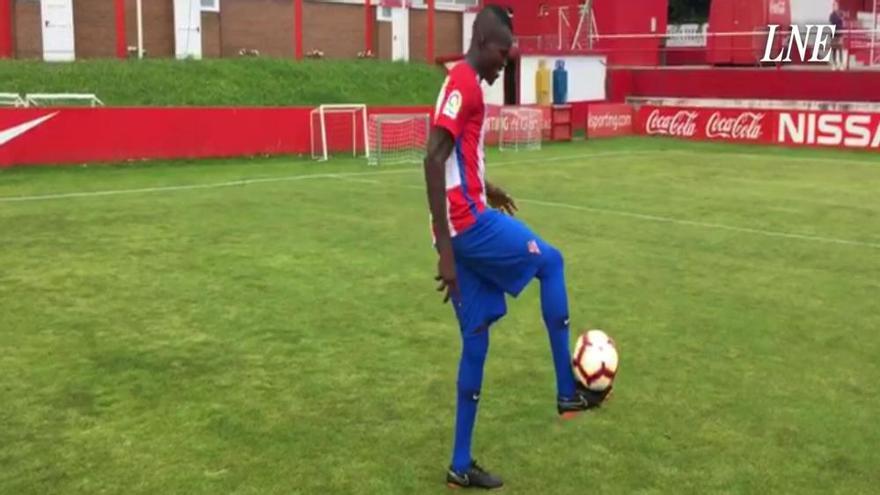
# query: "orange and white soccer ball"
595,360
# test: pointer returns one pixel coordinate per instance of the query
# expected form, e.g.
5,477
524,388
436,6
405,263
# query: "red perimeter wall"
772,84
87,135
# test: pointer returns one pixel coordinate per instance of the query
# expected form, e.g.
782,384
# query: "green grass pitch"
249,327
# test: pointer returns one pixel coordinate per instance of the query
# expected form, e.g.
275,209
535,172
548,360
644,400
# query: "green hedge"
250,81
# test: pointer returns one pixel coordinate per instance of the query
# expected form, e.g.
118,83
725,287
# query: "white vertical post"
874,33
324,133
312,132
467,29
366,138
559,30
140,28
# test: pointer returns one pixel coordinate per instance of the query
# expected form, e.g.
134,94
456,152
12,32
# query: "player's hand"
446,275
498,198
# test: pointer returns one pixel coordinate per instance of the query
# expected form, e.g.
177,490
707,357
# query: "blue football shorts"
497,255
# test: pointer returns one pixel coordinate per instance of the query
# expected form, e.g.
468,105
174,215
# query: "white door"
57,17
188,28
400,34
467,30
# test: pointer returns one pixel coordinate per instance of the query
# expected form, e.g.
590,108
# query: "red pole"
298,29
121,48
5,29
368,26
429,52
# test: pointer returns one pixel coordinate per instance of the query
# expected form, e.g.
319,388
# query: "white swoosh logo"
14,132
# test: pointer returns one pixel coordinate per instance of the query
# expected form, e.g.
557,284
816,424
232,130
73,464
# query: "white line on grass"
679,221
298,177
820,159
352,176
708,225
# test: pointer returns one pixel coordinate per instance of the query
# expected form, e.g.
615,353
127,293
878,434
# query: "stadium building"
599,67
82,29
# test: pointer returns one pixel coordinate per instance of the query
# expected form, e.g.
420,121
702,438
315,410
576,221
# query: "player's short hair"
501,14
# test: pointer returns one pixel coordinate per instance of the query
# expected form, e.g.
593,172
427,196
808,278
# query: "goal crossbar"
34,99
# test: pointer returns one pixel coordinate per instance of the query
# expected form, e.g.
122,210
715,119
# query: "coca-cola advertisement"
707,123
853,130
737,125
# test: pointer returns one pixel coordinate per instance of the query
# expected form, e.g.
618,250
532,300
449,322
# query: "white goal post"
339,128
11,100
37,99
398,138
521,128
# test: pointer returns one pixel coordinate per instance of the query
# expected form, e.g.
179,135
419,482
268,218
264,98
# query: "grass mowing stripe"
287,178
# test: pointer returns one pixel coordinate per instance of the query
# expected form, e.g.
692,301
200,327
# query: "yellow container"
542,84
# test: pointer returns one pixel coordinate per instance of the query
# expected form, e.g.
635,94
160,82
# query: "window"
210,5
446,3
383,14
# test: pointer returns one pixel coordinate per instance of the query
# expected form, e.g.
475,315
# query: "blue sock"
470,380
554,309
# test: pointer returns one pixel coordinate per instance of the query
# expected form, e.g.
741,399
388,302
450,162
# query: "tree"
682,11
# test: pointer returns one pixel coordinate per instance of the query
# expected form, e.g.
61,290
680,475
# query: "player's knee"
552,259
476,346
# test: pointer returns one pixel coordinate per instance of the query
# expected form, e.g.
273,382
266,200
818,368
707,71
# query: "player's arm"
498,198
449,122
440,146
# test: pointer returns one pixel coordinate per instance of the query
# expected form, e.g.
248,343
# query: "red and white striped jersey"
460,110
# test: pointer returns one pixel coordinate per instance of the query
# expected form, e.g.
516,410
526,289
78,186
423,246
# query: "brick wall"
335,29
382,45
447,34
158,26
27,30
266,25
94,31
210,34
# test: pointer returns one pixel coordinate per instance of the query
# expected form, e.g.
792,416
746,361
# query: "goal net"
398,138
521,128
339,129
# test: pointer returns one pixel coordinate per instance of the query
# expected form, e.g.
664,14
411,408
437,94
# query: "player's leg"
479,305
464,470
510,255
474,348
554,309
572,396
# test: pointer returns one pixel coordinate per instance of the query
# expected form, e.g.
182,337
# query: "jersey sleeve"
454,107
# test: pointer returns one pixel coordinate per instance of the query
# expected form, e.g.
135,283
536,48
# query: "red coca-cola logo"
746,126
682,124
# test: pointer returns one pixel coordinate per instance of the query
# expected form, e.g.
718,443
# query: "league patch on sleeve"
453,104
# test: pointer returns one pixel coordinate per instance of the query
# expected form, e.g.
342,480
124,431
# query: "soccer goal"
58,99
398,138
11,100
521,129
339,129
